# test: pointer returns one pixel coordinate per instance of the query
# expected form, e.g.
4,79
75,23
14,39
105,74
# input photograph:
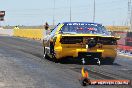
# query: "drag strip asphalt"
22,66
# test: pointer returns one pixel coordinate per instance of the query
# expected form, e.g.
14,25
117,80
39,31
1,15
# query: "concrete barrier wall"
6,32
29,33
117,28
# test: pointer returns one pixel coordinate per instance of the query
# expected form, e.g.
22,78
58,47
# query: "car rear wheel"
54,59
107,61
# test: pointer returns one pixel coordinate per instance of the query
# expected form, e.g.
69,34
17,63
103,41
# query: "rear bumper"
89,54
75,53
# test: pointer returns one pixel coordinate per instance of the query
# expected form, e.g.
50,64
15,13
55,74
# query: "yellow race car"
86,41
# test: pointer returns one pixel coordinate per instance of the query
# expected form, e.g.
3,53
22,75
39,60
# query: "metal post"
131,20
129,14
94,12
70,10
54,14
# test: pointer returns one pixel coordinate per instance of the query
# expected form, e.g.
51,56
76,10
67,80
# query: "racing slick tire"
107,61
52,53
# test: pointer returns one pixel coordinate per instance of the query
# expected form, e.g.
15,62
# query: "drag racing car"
80,40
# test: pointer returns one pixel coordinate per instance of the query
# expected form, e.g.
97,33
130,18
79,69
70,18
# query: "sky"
37,12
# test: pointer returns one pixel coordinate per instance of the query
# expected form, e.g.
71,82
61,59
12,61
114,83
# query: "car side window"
64,28
67,28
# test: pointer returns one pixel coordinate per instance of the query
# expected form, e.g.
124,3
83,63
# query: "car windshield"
84,28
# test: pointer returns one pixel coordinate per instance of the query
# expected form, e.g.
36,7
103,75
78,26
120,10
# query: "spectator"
46,27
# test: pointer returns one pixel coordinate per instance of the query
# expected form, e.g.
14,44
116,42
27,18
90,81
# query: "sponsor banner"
110,82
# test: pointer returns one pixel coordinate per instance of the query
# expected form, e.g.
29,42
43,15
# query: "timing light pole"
94,12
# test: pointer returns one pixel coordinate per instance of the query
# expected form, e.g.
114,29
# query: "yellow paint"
29,33
100,50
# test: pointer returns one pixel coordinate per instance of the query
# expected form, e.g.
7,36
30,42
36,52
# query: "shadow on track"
70,60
